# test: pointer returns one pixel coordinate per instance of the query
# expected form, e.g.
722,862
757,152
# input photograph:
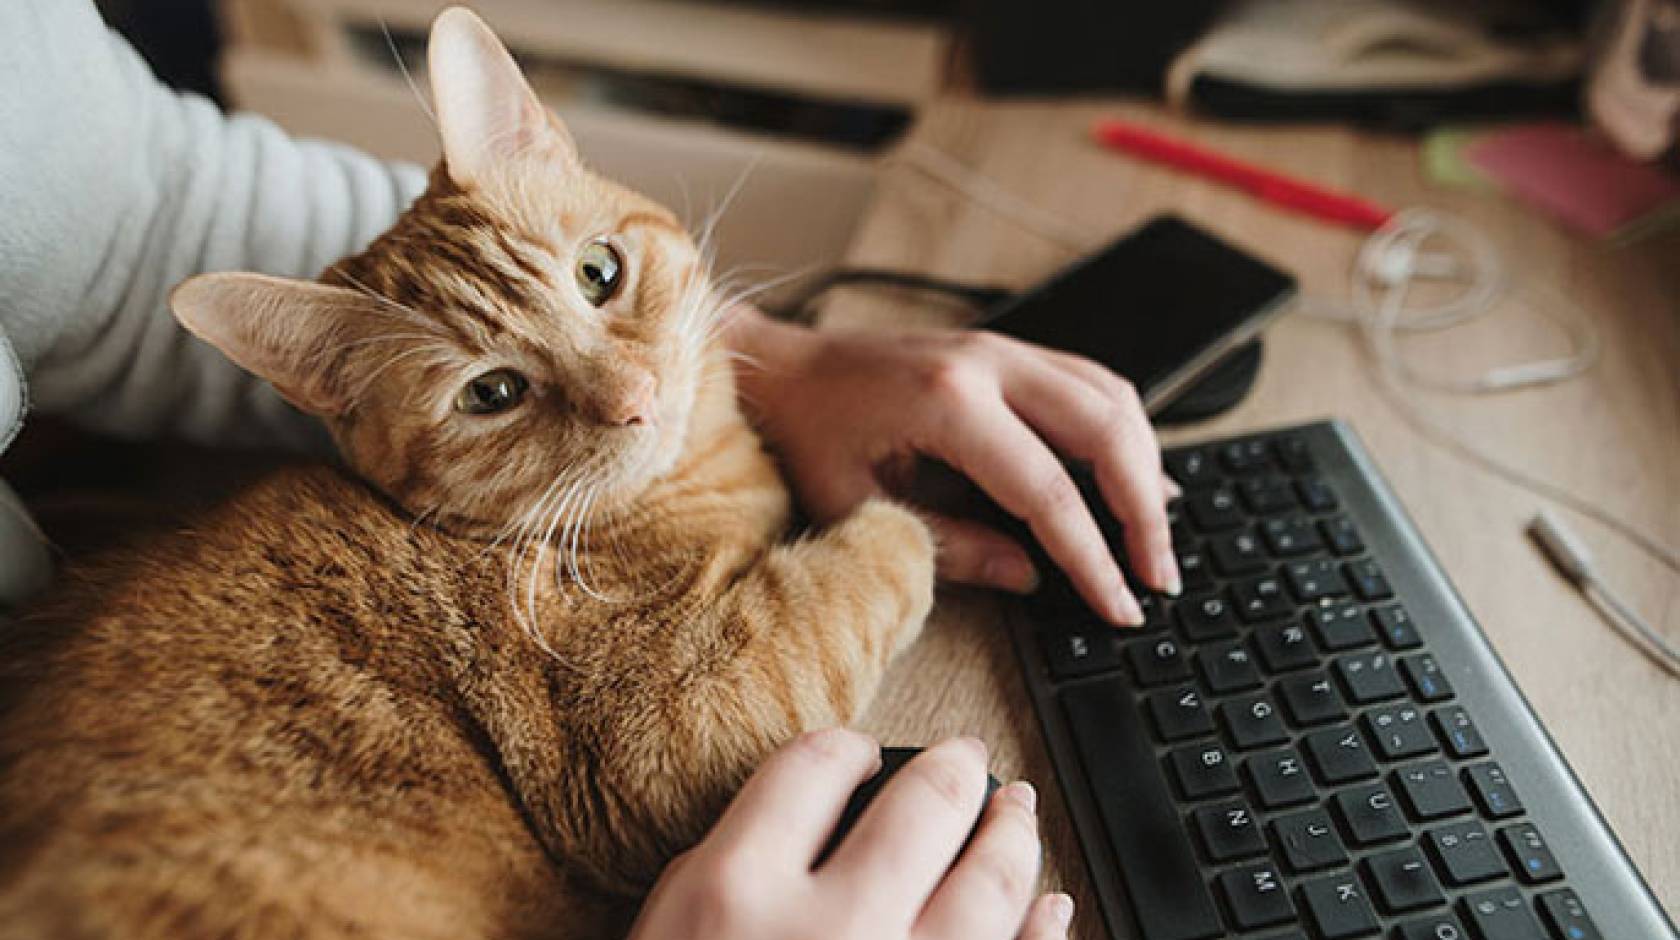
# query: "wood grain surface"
1612,436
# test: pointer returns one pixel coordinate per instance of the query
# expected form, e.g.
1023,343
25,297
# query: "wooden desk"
1613,435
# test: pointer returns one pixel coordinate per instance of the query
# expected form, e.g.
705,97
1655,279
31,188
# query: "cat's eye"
494,391
599,269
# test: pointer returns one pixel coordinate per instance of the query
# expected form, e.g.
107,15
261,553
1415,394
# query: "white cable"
1573,561
1381,309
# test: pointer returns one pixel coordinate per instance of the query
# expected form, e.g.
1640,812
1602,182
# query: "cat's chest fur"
306,662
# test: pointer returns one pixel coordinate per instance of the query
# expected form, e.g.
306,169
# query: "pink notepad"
1574,175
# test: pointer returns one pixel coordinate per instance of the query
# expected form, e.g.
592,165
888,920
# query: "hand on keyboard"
891,878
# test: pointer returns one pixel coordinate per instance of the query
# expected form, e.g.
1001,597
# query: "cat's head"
527,337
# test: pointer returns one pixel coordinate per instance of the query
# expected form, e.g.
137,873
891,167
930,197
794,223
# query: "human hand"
849,412
891,878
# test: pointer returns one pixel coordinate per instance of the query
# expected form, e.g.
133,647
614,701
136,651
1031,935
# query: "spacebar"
1160,871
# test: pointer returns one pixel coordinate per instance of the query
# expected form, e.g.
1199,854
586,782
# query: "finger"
990,445
907,838
970,553
987,892
1111,431
790,805
1048,918
1170,487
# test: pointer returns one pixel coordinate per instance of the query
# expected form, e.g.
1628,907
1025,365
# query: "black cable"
981,297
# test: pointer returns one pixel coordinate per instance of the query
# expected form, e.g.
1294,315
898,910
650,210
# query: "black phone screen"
1155,302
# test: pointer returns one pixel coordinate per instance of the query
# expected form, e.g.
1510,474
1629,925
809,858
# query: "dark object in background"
1081,45
1164,306
179,39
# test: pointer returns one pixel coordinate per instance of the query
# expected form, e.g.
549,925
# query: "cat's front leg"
797,642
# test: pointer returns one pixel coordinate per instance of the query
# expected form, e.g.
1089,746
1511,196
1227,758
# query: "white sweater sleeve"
113,189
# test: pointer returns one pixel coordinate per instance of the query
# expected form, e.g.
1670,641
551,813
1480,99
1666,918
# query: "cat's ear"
487,113
283,330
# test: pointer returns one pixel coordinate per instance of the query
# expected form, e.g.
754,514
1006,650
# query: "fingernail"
1174,584
1126,609
974,744
1061,907
1010,573
1172,488
1023,793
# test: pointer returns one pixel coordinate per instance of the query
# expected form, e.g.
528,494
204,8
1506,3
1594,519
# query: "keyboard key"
1402,881
1237,554
1315,494
1566,916
1442,926
1492,790
1244,457
1179,714
1279,778
1424,675
1340,626
1080,651
1193,569
1396,627
1431,791
1290,536
1230,831
1203,770
1284,646
1191,469
1261,599
1368,581
1311,699
1369,677
1337,905
1341,536
1227,667
1163,878
1266,495
1339,755
1399,732
1252,722
1206,617
1500,914
1311,580
1308,840
1529,854
1214,510
1294,454
1464,854
1370,815
1257,897
1157,661
1458,733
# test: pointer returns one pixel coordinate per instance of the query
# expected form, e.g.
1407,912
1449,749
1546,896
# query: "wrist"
768,352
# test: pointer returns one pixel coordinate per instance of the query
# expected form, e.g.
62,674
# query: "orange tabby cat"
491,683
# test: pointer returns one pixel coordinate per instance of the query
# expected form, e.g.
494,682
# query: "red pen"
1269,185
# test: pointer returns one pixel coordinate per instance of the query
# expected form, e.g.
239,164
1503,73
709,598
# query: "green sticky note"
1444,163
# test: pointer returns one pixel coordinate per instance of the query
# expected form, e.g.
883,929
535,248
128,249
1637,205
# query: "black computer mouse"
893,760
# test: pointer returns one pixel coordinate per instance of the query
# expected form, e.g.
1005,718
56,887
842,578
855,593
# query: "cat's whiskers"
447,352
406,312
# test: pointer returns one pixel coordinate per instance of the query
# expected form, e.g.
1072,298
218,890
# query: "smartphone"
1162,306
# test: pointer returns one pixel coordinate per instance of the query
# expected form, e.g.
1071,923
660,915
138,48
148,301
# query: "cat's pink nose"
633,402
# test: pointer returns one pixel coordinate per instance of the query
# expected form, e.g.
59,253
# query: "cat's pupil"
491,392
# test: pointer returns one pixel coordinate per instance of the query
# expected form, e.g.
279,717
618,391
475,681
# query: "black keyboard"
1315,740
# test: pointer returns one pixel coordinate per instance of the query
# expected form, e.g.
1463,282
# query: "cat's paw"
905,545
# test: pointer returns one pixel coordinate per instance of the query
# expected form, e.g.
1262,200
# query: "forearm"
115,190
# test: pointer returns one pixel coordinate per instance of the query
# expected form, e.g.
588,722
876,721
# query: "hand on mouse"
892,877
849,412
